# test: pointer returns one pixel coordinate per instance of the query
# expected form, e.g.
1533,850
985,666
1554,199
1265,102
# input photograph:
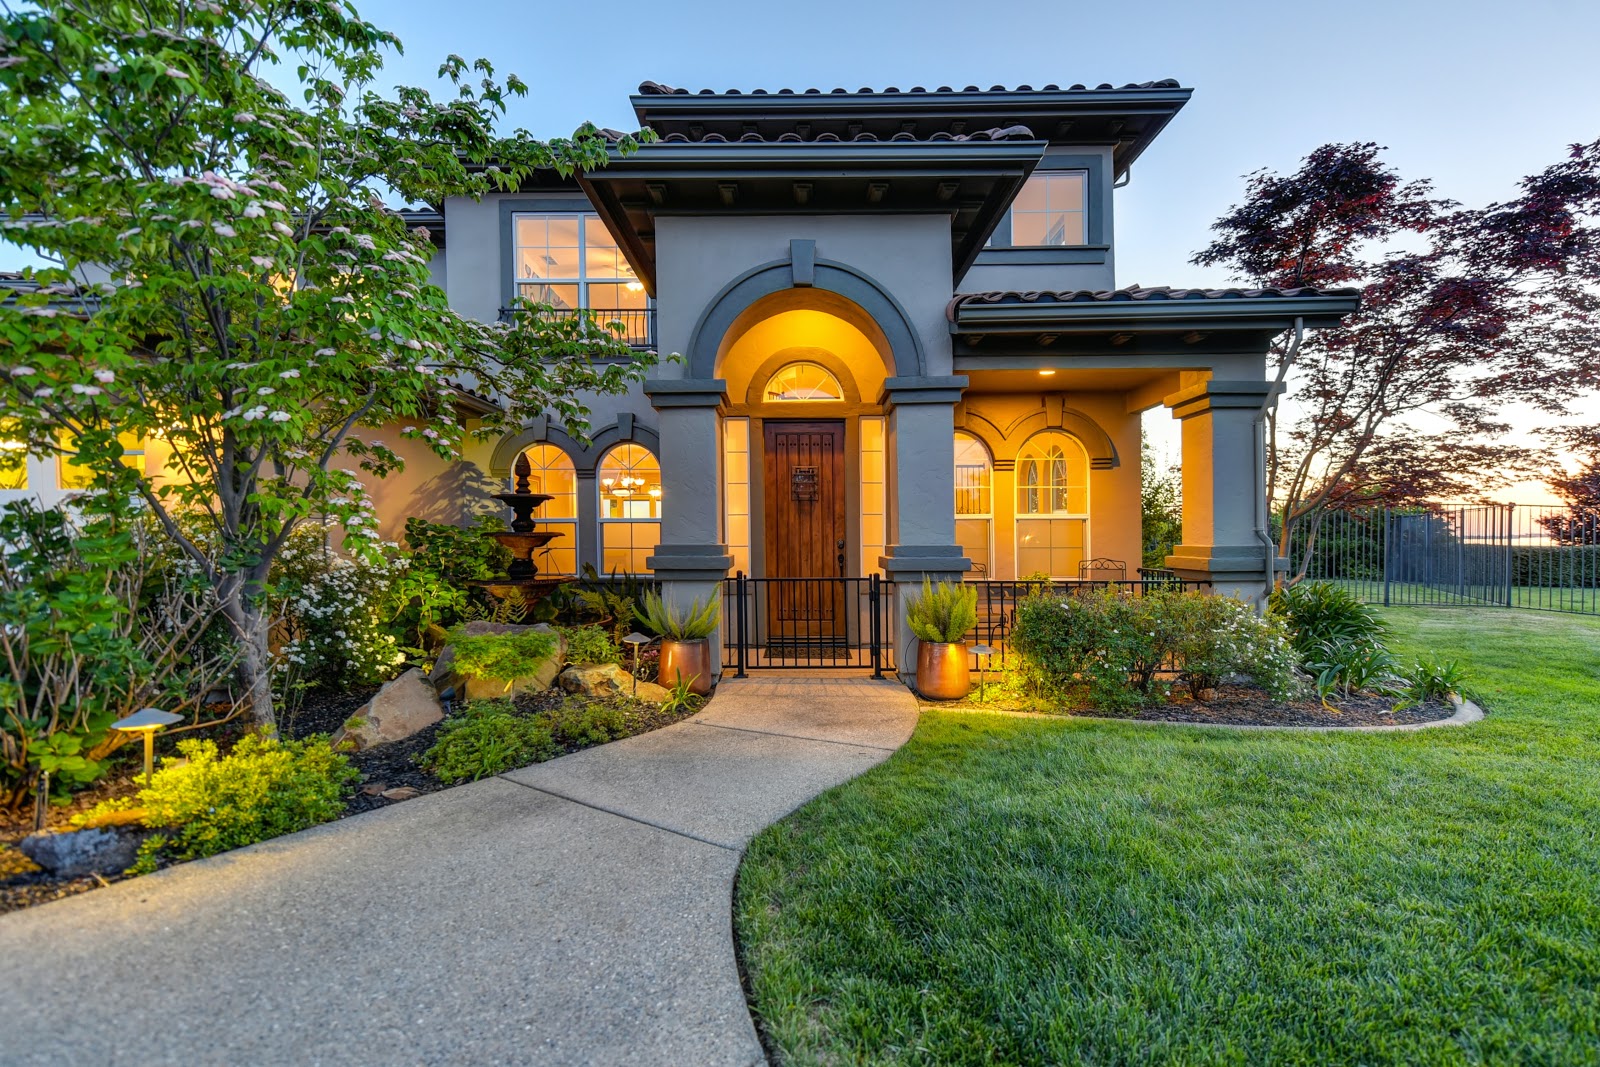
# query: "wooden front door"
805,529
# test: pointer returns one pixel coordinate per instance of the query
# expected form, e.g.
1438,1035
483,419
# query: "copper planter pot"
689,660
943,672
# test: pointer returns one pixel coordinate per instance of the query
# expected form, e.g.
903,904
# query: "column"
691,561
1222,487
922,508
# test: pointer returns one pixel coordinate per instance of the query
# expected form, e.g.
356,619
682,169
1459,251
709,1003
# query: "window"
570,261
1052,505
13,458
553,473
71,476
736,490
974,503
803,381
1051,210
630,508
874,494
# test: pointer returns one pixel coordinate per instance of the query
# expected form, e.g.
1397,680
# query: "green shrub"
945,614
1215,636
1343,666
588,645
433,589
1318,612
578,723
486,738
262,789
1432,679
514,655
698,622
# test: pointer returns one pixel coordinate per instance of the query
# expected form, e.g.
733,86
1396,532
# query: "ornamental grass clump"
943,614
696,623
513,655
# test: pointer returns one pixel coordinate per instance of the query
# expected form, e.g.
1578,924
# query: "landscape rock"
603,681
541,678
400,792
75,853
401,708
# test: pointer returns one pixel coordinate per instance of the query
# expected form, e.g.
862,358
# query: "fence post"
1511,555
739,617
1388,523
875,627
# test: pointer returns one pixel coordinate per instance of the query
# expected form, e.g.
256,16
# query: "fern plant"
698,622
943,615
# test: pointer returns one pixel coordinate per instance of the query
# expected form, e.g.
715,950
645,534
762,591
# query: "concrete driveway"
577,911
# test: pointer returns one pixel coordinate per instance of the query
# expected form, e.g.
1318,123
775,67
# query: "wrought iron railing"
638,324
807,622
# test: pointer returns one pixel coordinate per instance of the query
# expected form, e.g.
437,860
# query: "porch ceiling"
1093,380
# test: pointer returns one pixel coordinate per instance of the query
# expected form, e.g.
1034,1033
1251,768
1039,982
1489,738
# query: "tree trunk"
255,667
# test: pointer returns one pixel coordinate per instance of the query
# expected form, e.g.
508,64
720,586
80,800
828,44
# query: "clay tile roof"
650,88
1007,133
1149,294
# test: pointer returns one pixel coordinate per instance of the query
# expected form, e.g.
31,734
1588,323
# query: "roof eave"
1226,313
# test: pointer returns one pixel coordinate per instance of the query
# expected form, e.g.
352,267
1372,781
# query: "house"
904,354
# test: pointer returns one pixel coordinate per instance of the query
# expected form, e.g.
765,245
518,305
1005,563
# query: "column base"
690,563
906,566
1233,570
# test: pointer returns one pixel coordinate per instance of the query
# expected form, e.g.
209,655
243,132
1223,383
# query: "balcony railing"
638,324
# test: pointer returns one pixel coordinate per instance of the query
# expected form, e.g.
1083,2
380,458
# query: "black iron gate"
776,623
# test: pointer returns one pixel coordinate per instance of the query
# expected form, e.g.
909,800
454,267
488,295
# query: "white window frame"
602,520
987,516
1020,516
583,279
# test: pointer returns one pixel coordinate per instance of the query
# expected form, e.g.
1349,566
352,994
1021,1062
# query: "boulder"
604,681
75,853
398,710
541,678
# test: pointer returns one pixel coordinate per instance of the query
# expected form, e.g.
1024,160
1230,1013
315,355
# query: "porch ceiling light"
1045,372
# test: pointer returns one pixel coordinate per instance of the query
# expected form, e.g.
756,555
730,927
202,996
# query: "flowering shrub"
332,626
1119,648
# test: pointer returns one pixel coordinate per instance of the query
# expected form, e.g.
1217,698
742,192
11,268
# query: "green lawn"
1022,890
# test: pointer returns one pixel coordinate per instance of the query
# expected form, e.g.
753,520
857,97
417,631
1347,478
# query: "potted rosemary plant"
940,618
685,639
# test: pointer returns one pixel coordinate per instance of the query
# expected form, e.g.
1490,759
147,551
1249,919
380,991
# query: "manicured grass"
1020,890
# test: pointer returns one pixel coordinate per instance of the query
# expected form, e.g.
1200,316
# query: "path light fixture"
983,652
638,641
147,722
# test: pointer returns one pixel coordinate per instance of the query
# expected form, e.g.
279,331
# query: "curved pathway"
576,911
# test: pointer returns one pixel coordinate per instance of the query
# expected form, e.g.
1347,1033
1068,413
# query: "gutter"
1264,520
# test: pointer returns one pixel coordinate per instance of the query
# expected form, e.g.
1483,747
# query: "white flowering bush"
332,613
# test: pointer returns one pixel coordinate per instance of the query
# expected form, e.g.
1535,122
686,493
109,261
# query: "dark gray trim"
1097,208
1067,255
1169,315
935,389
913,562
686,392
577,205
1219,395
803,261
690,563
585,458
860,288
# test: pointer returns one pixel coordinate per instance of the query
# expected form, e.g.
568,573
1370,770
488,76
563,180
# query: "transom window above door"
803,381
569,260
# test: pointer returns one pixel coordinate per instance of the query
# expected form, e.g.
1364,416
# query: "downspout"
1263,520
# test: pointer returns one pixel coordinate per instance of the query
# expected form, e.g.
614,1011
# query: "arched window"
630,508
974,503
1052,505
802,381
553,473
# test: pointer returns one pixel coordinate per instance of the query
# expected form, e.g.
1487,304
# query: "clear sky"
1470,93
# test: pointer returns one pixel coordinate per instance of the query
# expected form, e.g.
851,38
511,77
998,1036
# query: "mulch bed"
1237,705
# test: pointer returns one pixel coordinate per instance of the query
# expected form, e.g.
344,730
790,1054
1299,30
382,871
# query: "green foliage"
486,738
265,787
681,700
508,656
95,627
332,612
441,559
1343,665
610,601
699,621
1115,647
588,645
265,313
1160,506
1432,678
1318,612
944,614
579,723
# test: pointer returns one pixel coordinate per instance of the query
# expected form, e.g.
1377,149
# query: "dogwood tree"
1464,310
227,284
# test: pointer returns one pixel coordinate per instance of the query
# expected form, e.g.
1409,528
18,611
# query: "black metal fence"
1517,556
807,622
997,603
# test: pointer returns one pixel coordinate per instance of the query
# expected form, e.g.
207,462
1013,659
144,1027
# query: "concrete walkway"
572,912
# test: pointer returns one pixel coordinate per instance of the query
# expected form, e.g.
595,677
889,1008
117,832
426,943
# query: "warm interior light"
1046,373
634,287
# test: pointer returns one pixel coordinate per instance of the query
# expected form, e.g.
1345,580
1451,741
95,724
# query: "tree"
1160,505
264,310
1464,310
1580,523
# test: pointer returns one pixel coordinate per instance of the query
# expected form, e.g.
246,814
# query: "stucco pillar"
922,507
1221,487
691,561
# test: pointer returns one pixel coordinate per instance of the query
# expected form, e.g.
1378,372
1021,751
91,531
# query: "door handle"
839,544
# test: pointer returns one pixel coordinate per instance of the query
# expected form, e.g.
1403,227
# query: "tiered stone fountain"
522,577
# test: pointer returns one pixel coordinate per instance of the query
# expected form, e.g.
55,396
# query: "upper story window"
13,458
569,260
1051,210
803,381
